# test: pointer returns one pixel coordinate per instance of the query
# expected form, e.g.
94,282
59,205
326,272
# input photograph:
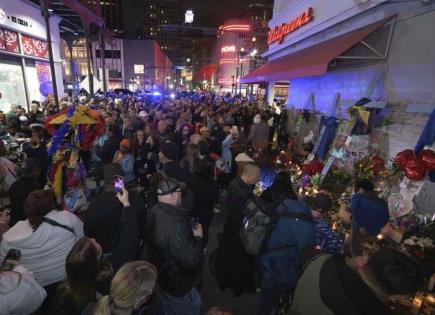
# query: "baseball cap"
111,171
168,186
243,157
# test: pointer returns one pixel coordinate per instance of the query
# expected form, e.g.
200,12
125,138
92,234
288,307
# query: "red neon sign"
237,27
280,32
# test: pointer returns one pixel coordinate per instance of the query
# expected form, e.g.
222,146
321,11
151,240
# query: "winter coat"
329,286
173,249
227,156
173,170
127,165
103,219
235,268
107,151
289,237
20,294
44,250
259,135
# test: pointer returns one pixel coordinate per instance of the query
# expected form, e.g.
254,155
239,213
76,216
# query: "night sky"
211,13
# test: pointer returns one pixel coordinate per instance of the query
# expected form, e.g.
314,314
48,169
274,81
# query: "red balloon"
428,159
312,168
378,163
415,169
403,157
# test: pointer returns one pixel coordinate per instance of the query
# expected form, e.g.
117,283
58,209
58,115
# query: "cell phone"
119,183
13,254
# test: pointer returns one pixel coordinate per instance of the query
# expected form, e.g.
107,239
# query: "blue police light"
172,95
156,93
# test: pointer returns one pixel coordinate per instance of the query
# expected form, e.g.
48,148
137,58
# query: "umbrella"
84,120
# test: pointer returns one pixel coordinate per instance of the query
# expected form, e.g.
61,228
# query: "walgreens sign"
280,32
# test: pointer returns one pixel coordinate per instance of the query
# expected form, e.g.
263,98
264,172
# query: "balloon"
312,168
378,163
415,170
403,157
428,159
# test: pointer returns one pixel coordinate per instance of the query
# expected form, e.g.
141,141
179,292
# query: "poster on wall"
44,78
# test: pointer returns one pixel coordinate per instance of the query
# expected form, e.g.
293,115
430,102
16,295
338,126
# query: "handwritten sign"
424,202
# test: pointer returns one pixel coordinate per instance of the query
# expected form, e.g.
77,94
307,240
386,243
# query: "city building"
112,14
74,70
24,59
338,52
334,53
196,49
135,64
240,44
158,13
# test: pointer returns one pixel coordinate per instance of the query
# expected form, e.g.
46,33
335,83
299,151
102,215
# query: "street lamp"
239,65
254,39
253,53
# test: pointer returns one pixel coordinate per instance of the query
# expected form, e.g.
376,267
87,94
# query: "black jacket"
238,194
107,151
206,194
173,170
235,269
342,290
173,249
103,220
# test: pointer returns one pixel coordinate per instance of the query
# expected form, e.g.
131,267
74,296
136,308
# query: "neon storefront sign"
226,49
280,32
237,27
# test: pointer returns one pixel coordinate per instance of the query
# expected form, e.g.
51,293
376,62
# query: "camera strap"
55,223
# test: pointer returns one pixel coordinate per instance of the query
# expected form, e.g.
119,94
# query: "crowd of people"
142,251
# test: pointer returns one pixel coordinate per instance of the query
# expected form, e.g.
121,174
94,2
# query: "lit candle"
380,237
334,225
417,301
430,299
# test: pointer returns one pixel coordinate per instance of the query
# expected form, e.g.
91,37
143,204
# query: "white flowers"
419,241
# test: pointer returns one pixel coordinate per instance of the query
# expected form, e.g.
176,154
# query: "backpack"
258,223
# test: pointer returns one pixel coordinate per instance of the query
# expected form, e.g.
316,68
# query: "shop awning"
311,61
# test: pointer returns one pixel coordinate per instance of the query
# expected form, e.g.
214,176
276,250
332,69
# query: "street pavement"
211,295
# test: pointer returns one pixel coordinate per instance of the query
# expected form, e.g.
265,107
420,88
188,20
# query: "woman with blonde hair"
131,290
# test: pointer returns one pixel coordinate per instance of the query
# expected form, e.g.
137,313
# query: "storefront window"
11,84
